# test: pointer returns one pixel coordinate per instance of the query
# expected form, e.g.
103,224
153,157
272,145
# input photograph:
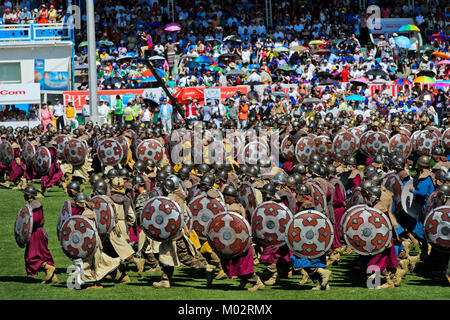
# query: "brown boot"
258,285
399,274
95,286
139,262
334,258
5,184
155,269
49,273
272,280
305,276
389,282
407,245
221,274
40,196
412,260
272,274
404,264
163,284
209,274
324,277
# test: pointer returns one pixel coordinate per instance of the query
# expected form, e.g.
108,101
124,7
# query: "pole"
93,112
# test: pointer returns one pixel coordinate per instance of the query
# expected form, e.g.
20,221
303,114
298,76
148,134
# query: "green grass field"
15,284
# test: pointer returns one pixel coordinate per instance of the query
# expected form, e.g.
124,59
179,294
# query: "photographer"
147,40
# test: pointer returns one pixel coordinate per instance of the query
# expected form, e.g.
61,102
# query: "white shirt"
103,110
146,115
85,110
58,110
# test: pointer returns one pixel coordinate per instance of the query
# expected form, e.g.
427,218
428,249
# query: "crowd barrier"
14,33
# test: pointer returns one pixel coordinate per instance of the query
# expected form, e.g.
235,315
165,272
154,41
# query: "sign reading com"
218,146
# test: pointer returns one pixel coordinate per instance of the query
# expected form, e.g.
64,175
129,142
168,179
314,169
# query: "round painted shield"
229,235
203,209
324,146
367,231
161,219
253,152
123,142
189,217
75,152
407,126
28,152
357,132
413,138
393,183
304,148
42,161
6,153
446,140
362,142
430,205
60,145
318,197
269,221
349,212
375,142
410,203
309,234
23,226
150,149
287,149
435,130
437,228
216,152
64,214
355,198
345,143
403,142
109,152
247,197
105,214
426,140
78,238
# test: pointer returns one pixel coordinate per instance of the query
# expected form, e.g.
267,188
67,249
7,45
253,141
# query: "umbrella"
172,27
403,42
152,102
232,38
364,81
108,59
298,48
149,79
215,68
444,62
403,82
286,68
424,79
316,43
227,56
438,36
321,51
281,49
83,44
440,84
326,82
106,43
156,58
123,59
427,73
279,94
376,73
134,77
191,65
427,47
323,74
355,97
235,71
82,67
112,81
311,100
441,55
190,56
204,60
409,27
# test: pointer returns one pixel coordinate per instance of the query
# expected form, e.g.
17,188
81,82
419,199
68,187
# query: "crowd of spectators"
26,12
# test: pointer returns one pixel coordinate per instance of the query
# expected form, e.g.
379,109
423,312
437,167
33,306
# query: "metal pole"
93,112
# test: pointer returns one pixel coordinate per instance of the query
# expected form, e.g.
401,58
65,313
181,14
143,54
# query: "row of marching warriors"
131,184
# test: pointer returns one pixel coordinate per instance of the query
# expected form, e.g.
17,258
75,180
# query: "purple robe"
16,171
385,259
287,166
54,175
76,211
339,210
239,266
272,255
369,161
37,252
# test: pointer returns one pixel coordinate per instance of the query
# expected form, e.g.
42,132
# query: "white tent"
29,93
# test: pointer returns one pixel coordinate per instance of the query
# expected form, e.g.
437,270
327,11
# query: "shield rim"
95,235
30,212
98,218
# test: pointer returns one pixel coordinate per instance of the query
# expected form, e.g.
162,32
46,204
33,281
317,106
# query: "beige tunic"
100,264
